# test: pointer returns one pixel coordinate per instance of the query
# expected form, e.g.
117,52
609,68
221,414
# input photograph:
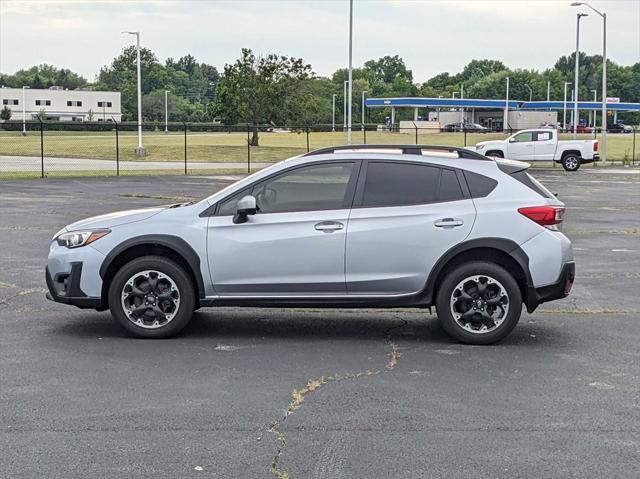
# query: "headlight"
479,147
75,239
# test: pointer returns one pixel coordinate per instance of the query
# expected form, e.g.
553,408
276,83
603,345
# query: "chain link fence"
64,149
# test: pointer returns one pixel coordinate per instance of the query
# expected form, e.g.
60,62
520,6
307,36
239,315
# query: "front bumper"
72,276
551,292
65,288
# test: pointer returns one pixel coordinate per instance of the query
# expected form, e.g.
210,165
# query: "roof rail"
406,150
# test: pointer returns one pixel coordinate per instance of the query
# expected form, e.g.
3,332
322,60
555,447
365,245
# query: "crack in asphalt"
23,292
298,395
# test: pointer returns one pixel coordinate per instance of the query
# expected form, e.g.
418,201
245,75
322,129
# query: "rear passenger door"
545,145
406,215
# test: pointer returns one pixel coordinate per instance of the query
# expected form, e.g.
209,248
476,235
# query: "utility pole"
576,79
548,90
461,107
350,70
362,120
603,149
24,112
595,99
166,111
564,106
344,106
333,124
140,151
505,122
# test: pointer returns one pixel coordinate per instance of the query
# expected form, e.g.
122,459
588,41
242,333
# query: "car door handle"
448,223
329,226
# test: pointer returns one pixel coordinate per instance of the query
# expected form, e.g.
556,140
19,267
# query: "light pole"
564,106
461,107
548,90
505,121
603,150
344,106
362,121
24,113
166,111
104,113
350,69
139,150
576,79
595,99
333,124
530,91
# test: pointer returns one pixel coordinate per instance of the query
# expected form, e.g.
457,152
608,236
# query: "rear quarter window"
479,185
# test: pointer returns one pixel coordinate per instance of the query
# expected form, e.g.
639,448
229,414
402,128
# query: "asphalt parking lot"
378,393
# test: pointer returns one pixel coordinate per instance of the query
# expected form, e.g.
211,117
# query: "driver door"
295,243
521,146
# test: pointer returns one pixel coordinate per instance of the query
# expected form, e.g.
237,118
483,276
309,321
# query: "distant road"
32,163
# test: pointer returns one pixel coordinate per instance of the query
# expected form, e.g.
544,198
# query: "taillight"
544,215
595,146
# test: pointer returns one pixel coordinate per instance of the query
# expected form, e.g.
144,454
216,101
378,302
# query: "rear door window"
399,184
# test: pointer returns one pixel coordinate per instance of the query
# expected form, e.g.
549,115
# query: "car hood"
489,142
114,219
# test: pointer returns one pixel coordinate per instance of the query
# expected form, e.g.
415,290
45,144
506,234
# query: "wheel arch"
503,252
167,246
571,152
495,150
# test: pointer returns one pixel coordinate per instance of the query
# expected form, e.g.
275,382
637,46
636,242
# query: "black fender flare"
506,246
174,243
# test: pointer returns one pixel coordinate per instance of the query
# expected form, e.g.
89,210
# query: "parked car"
357,226
469,127
542,145
619,128
582,129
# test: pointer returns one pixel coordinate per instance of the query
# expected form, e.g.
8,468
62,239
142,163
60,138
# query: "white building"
56,103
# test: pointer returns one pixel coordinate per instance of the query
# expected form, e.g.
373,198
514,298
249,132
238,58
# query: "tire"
495,154
152,312
495,281
571,162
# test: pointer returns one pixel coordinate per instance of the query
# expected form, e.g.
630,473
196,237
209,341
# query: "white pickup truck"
542,145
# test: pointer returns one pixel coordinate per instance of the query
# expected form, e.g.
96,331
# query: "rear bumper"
65,288
551,292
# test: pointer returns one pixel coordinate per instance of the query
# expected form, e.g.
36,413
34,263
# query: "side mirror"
246,206
512,140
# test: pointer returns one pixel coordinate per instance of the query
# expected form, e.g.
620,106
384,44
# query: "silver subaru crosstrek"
344,227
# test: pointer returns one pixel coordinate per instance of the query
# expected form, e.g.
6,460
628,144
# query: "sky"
432,36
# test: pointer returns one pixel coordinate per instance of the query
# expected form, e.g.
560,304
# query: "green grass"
224,147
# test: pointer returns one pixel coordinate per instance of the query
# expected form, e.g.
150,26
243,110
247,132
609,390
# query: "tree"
43,76
90,115
5,113
260,90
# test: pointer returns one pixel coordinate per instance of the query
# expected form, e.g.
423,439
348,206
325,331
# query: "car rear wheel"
571,162
479,303
152,297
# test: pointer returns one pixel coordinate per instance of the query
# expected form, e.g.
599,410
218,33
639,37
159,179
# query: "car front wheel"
479,303
152,297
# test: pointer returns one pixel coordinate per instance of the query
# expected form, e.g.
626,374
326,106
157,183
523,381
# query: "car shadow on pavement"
229,323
